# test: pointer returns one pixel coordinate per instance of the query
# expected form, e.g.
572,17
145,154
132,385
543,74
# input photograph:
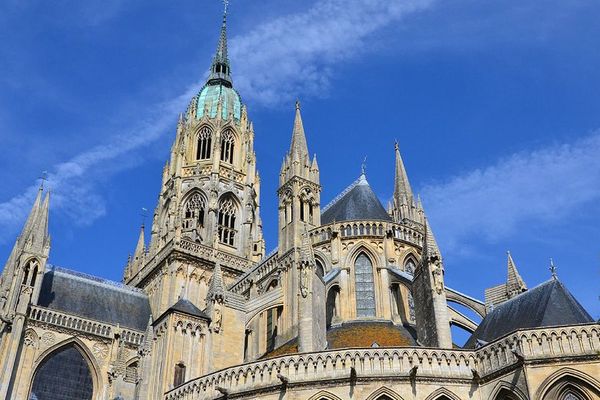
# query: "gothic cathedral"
352,303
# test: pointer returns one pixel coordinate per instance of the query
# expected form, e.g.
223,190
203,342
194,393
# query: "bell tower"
208,208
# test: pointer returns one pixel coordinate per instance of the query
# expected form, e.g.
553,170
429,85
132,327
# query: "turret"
428,291
299,190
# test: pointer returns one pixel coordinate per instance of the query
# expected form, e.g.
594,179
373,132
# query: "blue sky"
496,106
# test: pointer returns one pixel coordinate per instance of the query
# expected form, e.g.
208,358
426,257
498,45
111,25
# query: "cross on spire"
553,268
225,6
363,167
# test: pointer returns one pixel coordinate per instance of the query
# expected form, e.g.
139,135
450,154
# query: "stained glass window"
64,375
365,287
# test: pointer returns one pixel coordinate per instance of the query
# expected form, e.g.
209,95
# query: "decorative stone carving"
217,321
31,338
438,272
304,277
48,338
100,350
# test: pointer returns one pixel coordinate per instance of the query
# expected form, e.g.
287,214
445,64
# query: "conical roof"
357,201
549,304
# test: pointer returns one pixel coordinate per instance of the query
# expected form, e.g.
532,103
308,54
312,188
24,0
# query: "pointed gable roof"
357,201
549,304
298,144
185,306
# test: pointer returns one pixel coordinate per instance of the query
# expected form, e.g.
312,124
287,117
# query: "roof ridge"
95,279
342,194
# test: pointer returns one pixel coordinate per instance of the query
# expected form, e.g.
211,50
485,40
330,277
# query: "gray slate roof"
358,201
187,307
549,304
95,298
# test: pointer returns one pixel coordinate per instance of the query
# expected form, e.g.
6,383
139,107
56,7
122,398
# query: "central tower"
208,207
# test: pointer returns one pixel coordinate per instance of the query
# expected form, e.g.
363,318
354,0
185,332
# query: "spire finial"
553,268
220,71
43,178
363,167
144,214
297,104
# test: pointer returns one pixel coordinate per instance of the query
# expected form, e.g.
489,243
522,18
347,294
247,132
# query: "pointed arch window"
227,145
365,286
63,375
409,266
226,221
195,207
179,377
204,146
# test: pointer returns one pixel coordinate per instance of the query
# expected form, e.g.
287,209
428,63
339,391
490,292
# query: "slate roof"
549,304
187,307
95,298
358,201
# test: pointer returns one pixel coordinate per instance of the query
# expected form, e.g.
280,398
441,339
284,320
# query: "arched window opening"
319,270
384,397
204,147
131,372
443,397
301,210
194,212
227,145
272,285
63,375
34,274
365,286
226,222
409,266
571,396
247,334
179,378
396,297
25,275
332,308
273,316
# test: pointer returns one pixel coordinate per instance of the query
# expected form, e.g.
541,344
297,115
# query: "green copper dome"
209,98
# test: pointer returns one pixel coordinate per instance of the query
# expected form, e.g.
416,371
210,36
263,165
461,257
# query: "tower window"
227,144
226,222
179,378
365,287
193,217
204,143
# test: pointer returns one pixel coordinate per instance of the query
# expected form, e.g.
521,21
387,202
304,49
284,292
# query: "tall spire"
298,145
220,71
141,245
402,187
514,282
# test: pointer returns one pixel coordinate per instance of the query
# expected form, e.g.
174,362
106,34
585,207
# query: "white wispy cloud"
542,186
294,54
276,61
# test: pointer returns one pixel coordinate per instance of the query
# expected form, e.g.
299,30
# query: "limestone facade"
352,304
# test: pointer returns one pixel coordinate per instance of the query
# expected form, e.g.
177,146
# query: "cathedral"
350,305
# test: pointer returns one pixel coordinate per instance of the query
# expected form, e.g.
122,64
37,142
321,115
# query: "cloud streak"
295,54
276,61
542,186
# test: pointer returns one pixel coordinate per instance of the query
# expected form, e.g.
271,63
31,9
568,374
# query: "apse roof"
357,201
95,298
549,304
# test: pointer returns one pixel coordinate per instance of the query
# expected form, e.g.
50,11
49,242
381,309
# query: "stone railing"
464,366
263,269
51,317
351,229
328,366
537,344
